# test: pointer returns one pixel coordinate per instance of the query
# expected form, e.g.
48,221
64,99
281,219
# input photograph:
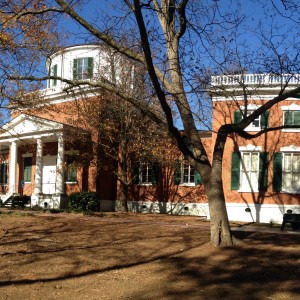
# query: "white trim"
250,148
290,148
251,106
260,213
292,106
187,184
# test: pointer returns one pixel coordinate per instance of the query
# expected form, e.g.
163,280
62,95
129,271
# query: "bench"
293,219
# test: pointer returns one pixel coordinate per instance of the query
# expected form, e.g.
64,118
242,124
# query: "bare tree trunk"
219,223
123,175
123,193
219,227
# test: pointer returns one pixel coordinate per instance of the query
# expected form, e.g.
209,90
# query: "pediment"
25,125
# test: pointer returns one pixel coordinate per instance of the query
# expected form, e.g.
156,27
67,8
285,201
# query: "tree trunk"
123,176
219,223
123,198
220,234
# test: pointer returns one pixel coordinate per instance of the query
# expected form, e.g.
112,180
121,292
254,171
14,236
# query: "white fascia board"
292,106
250,148
290,148
15,138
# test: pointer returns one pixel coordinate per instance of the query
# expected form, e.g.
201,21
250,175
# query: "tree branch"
109,40
99,84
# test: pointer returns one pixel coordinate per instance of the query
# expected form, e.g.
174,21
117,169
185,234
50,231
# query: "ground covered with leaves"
139,256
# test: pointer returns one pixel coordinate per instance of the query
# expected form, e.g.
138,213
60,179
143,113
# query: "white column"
13,167
60,165
39,167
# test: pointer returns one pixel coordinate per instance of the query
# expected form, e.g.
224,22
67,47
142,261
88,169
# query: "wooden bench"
293,219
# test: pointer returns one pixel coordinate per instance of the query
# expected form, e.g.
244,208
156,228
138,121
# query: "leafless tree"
167,35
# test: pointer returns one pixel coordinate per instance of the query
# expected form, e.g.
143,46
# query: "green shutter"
288,118
154,175
136,173
2,173
263,171
264,120
198,179
27,169
54,74
237,117
90,67
277,172
75,71
235,171
177,172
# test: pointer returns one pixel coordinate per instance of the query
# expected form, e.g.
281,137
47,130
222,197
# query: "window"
145,173
286,170
249,171
3,173
71,169
83,68
258,123
188,173
255,123
53,72
27,163
291,118
185,174
291,172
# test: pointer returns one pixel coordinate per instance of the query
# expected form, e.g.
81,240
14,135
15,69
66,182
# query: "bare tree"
165,45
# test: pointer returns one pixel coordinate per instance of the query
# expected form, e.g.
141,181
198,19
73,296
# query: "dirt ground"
138,256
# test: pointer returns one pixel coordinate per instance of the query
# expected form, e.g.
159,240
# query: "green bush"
84,201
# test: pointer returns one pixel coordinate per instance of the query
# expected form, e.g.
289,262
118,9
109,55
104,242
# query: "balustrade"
255,79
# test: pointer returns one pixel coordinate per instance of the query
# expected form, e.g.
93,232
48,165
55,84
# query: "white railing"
255,79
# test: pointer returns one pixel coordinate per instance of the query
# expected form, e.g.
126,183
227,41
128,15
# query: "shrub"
84,201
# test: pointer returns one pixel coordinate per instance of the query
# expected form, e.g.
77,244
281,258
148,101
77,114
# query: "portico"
44,180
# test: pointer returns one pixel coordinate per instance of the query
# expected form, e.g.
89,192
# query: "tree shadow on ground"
171,261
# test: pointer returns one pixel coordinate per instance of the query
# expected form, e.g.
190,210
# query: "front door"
49,174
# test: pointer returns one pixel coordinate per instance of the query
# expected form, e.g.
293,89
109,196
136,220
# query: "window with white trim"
291,172
249,171
4,173
27,169
255,123
291,118
83,68
71,169
187,173
145,173
261,121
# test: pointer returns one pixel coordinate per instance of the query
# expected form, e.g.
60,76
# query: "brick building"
40,147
